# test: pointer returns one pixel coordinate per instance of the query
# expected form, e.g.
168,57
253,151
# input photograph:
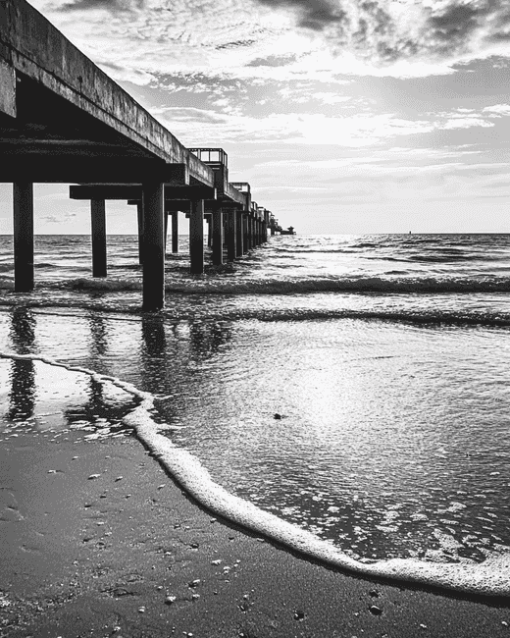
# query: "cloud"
498,110
112,6
281,40
384,32
314,14
347,130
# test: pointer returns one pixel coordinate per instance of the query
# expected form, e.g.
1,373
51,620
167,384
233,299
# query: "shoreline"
97,539
129,553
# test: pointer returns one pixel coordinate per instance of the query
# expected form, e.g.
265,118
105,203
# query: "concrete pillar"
98,218
196,236
23,194
239,234
175,231
154,246
217,237
273,232
231,235
139,208
165,217
247,243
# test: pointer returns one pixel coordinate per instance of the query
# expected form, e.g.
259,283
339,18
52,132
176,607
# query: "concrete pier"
196,236
154,246
23,194
98,224
114,149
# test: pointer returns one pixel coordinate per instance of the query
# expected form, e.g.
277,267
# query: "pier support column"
217,238
196,236
231,235
175,231
98,218
154,246
139,208
273,232
23,193
239,234
247,244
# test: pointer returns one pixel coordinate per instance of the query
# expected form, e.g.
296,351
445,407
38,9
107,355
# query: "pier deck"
63,120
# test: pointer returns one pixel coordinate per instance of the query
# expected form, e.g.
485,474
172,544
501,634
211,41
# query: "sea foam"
490,578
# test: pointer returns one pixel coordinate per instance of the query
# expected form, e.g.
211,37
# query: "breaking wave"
225,285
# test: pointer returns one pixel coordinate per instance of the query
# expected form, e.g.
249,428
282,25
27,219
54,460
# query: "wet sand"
96,540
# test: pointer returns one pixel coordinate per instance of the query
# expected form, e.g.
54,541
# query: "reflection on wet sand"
207,337
22,330
22,393
22,375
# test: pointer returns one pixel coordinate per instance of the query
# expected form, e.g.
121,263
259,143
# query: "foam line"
490,578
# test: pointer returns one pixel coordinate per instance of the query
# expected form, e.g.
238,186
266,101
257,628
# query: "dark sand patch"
128,554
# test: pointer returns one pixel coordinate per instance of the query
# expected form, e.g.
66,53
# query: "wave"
281,286
131,312
489,578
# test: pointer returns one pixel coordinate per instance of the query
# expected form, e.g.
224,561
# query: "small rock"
141,609
422,626
119,478
277,416
375,610
195,596
299,615
93,476
160,487
194,583
170,599
52,471
373,593
216,562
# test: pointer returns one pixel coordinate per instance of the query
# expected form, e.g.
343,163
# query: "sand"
96,540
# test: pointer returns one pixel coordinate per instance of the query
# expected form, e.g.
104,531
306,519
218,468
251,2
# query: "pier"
62,120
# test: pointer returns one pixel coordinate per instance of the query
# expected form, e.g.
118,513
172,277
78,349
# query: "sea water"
355,387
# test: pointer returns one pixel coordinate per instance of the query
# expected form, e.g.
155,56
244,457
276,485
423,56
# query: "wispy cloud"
282,39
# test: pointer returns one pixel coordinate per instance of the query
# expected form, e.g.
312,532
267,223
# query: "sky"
345,116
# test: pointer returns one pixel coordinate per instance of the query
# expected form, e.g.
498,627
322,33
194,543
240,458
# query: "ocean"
345,395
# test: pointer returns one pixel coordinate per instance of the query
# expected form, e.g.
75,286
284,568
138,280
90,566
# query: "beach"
274,454
130,554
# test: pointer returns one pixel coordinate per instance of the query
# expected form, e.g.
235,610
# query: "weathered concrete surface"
42,58
8,89
231,196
